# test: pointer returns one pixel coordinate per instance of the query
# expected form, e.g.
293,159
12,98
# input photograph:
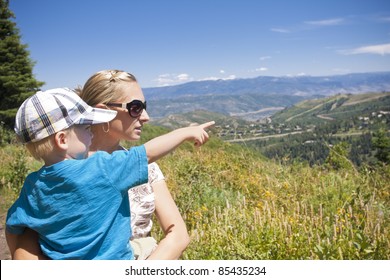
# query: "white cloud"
280,30
175,79
265,57
326,22
302,74
373,49
172,79
183,77
163,80
164,75
385,19
222,71
230,77
210,79
261,69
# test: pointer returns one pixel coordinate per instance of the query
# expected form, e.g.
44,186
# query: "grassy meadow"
238,205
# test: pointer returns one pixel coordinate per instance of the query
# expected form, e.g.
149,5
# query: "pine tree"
338,157
381,142
16,68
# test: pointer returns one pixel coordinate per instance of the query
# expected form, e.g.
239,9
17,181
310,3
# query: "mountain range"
254,98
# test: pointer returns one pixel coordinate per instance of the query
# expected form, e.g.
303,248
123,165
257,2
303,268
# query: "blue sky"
176,41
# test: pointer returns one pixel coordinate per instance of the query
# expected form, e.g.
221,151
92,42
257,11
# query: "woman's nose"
144,116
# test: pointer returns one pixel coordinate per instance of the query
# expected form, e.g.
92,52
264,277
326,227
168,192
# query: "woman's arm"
25,246
176,237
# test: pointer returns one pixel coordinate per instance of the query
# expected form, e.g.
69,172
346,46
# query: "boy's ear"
61,140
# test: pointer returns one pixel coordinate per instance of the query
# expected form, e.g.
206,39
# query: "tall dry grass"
238,206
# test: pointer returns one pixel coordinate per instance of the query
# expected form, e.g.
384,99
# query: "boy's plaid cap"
48,112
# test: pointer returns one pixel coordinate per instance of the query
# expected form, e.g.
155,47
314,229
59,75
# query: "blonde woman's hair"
104,87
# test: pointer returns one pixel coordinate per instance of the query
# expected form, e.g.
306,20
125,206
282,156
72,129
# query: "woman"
120,91
112,88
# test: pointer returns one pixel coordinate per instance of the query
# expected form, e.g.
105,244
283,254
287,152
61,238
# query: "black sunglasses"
134,107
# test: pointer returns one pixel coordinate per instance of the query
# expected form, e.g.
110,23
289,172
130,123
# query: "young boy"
77,205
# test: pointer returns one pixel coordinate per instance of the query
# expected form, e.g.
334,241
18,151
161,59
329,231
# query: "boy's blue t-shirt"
80,208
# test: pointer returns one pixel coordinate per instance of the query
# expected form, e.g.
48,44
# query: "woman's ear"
61,140
101,106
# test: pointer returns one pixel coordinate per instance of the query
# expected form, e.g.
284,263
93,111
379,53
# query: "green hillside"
313,127
239,205
198,116
306,131
334,108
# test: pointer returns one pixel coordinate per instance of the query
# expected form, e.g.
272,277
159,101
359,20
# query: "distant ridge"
313,112
291,85
240,96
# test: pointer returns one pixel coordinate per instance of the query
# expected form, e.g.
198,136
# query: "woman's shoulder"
155,173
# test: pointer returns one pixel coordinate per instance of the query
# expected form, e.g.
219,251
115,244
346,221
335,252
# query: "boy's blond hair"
41,149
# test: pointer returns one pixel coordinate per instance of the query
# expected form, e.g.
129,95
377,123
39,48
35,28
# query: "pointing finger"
207,125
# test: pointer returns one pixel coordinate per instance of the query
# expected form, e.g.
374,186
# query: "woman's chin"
136,135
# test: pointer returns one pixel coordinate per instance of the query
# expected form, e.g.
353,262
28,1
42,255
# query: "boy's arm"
162,145
12,240
24,246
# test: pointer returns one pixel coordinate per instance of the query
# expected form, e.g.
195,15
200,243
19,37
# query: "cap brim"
97,116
